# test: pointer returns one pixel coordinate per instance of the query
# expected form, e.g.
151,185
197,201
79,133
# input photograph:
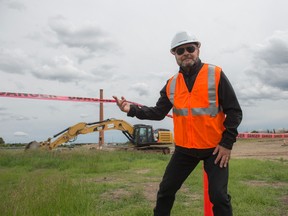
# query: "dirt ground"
276,149
261,149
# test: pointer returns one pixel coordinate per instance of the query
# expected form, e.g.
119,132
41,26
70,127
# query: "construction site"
144,137
146,140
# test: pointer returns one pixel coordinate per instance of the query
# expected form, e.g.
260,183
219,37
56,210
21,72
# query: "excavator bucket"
32,145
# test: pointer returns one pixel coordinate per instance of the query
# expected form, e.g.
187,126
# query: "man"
206,114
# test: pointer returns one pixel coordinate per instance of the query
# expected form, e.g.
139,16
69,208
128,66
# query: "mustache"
188,57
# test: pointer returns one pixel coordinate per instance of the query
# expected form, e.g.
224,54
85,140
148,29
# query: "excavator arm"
85,128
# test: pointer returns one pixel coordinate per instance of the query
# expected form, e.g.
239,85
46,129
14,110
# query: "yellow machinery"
140,135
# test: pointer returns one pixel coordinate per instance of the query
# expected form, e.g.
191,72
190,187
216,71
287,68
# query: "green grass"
119,183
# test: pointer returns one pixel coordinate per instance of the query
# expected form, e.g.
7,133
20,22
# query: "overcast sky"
76,48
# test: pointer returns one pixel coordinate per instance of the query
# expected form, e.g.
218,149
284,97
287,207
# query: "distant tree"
1,141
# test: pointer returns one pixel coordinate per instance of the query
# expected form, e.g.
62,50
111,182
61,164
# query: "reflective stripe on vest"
180,112
172,88
211,110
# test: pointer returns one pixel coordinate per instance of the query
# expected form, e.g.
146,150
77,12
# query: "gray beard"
189,67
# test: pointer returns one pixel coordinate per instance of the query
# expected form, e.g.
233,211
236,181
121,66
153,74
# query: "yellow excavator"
140,135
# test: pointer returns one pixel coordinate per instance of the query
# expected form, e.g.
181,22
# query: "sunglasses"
181,50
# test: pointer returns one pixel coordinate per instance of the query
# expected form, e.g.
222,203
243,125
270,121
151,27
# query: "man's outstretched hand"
123,104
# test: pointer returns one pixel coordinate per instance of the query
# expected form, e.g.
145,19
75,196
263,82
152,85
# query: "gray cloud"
60,68
2,109
13,4
16,117
141,88
20,134
105,72
82,115
88,36
64,69
267,75
21,118
250,92
14,61
82,54
271,61
53,109
84,42
237,48
274,51
275,77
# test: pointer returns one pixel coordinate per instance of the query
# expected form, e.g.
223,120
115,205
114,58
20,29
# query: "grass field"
119,183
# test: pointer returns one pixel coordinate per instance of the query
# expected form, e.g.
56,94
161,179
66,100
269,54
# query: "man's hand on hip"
223,156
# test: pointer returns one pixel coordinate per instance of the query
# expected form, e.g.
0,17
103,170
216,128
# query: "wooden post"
101,118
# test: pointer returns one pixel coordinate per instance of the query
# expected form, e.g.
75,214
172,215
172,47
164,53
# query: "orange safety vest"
198,117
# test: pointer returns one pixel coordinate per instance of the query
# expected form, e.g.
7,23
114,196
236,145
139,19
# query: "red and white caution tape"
60,98
52,97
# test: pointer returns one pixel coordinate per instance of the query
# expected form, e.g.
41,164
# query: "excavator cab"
143,135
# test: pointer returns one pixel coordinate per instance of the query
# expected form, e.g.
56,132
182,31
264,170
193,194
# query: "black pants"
177,171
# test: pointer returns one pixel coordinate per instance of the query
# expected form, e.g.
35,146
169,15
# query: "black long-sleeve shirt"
227,100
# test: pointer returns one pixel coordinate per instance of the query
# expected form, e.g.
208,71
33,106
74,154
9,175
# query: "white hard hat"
183,37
